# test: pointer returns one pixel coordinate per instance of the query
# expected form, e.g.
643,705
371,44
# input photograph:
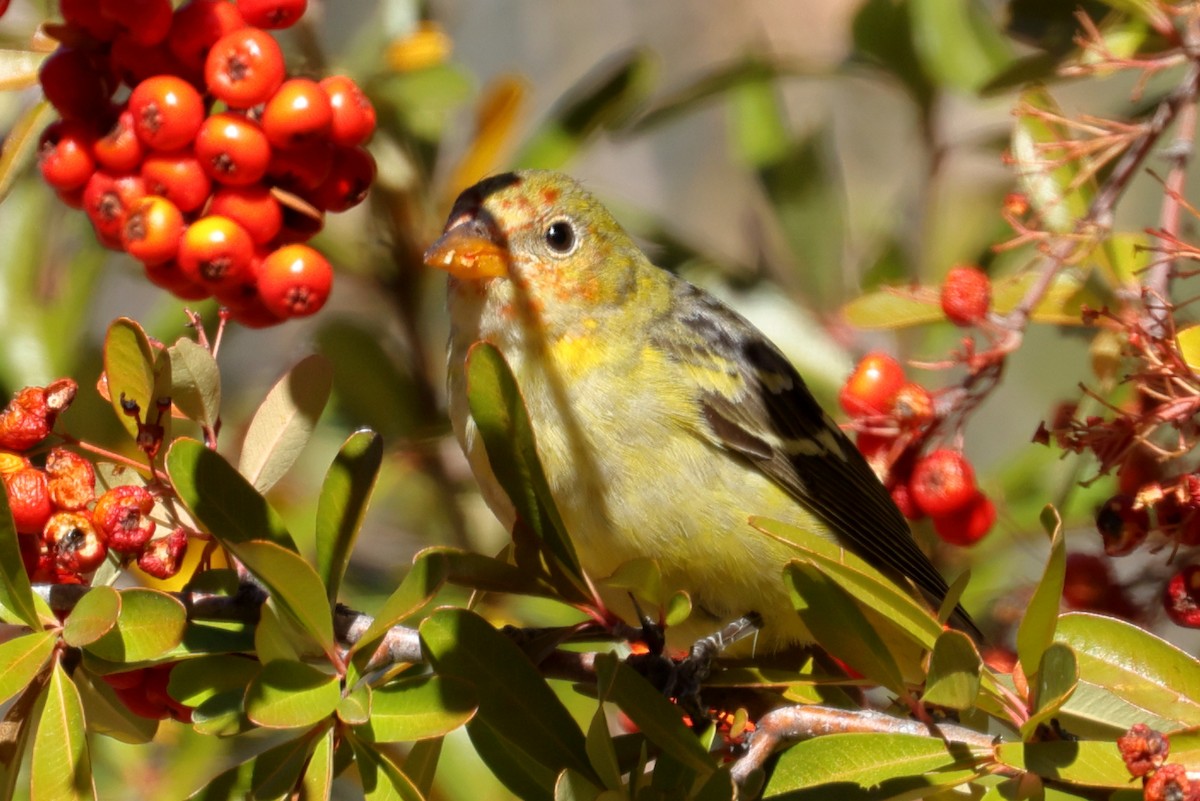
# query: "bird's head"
537,235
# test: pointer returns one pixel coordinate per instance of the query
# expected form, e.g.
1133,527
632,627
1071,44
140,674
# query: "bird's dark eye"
560,236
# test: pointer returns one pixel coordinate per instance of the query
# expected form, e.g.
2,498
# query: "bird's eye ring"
560,237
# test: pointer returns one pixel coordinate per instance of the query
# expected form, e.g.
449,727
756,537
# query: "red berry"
302,168
122,516
943,482
168,276
178,177
136,702
134,62
167,112
968,525
106,199
349,179
1089,585
253,207
294,281
966,295
146,22
216,252
871,387
119,150
1143,749
232,150
76,545
902,497
272,13
197,26
72,480
29,499
353,115
1171,783
152,229
297,113
1181,597
162,557
244,67
86,14
65,155
125,680
73,85
26,420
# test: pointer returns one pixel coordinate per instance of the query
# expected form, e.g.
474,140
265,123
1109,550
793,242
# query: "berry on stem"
294,281
167,112
969,524
966,295
232,150
244,67
943,482
215,252
152,229
1181,597
872,386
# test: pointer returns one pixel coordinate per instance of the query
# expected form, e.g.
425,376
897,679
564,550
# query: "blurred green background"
786,155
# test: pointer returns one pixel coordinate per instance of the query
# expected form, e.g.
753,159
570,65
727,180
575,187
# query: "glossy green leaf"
1054,185
604,99
514,700
525,776
288,695
571,786
829,612
21,143
867,760
284,422
423,580
62,766
195,382
129,368
474,570
277,770
16,593
1097,712
1134,665
499,412
1036,630
417,708
1056,679
367,384
954,670
355,707
294,586
1091,764
222,715
21,659
93,617
600,750
107,714
382,779
959,44
318,776
421,765
150,625
194,681
343,503
228,506
274,638
656,717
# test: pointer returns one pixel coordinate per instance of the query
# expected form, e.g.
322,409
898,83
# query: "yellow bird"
663,419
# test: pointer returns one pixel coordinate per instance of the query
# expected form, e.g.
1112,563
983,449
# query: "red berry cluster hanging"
186,144
144,692
894,418
65,532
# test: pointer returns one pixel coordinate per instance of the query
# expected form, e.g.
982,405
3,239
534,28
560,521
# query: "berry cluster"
1145,752
188,146
65,531
144,692
894,417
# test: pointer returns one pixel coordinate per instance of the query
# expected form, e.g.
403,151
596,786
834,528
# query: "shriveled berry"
912,407
966,295
1181,597
294,281
244,67
1143,749
37,559
77,546
135,62
1170,783
969,524
122,516
86,14
162,557
303,168
943,482
26,420
29,499
872,386
1122,526
72,480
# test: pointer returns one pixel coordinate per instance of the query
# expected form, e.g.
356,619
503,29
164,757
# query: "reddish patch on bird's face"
550,195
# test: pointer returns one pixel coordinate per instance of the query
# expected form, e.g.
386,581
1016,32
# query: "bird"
663,419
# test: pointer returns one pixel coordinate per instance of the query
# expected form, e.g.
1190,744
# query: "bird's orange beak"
468,250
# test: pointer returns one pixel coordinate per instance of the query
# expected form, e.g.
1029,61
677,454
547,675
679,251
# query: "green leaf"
657,718
129,368
62,767
20,145
367,384
479,572
355,707
318,776
1056,679
1036,630
958,44
195,382
382,779
277,769
228,506
883,34
514,700
503,423
222,715
421,764
93,617
274,637
284,422
604,99
758,122
294,586
601,752
343,503
107,714
21,659
954,670
830,613
418,708
288,695
16,593
1091,764
867,760
194,681
571,786
150,624
525,776
426,576
1135,665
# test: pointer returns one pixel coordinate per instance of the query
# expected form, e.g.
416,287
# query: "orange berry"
872,386
943,482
